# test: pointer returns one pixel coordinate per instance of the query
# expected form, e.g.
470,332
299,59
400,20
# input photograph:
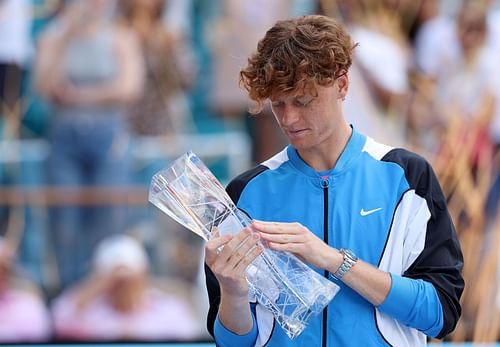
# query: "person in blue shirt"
369,217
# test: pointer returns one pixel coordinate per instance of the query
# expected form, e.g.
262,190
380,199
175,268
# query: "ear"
343,85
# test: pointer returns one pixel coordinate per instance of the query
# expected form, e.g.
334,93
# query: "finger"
294,248
215,232
242,251
212,246
250,257
215,243
234,244
277,227
281,238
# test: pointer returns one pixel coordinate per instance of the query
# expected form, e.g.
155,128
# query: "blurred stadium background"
97,95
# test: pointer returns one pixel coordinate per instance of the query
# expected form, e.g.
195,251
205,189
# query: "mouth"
296,132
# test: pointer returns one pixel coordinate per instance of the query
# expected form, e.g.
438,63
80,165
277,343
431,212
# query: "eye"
276,104
302,102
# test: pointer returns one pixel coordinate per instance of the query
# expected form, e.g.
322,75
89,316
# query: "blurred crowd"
96,95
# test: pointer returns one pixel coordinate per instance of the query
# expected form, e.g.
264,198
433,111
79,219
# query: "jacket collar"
347,158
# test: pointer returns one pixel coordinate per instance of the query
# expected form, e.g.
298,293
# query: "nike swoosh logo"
366,213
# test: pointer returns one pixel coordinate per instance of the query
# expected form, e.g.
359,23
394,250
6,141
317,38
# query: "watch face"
350,254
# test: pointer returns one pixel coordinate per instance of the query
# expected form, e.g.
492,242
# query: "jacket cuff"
225,337
414,303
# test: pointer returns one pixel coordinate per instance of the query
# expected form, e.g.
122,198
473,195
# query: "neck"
325,157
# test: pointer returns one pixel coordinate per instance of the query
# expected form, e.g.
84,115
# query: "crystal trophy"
189,193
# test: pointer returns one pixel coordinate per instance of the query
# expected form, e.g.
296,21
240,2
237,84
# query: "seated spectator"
23,315
118,302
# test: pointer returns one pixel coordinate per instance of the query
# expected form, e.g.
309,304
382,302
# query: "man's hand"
230,263
297,239
228,257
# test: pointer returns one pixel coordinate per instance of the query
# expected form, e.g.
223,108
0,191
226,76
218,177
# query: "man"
118,300
372,218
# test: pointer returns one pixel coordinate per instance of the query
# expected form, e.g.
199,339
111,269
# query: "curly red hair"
297,53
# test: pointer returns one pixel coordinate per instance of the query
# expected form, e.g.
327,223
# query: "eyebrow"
294,97
304,96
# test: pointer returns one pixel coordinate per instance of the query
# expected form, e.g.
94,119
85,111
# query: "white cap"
117,251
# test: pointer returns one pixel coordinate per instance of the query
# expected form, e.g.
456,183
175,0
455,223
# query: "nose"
288,116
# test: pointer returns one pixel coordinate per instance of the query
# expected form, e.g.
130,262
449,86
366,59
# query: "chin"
301,145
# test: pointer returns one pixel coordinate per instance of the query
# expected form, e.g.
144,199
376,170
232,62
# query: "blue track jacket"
385,205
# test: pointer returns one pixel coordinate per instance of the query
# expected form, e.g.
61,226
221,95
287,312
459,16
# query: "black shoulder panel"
236,186
441,261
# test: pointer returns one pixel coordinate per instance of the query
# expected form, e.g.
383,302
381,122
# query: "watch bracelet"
348,262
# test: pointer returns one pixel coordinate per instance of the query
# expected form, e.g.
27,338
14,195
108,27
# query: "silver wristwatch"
349,260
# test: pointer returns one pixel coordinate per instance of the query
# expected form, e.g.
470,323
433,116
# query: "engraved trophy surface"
189,193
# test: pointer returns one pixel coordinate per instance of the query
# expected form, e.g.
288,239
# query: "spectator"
90,69
162,114
161,109
238,28
378,77
467,84
15,51
24,317
118,302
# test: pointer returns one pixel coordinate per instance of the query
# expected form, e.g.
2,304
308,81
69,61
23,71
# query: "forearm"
235,314
414,303
371,283
235,323
49,63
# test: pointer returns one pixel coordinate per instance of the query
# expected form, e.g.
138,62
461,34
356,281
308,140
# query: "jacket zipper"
324,184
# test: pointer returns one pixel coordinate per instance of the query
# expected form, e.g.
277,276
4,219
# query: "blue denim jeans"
85,152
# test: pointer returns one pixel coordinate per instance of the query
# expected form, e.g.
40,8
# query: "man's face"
308,121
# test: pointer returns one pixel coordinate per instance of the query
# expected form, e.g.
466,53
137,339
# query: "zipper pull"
325,182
